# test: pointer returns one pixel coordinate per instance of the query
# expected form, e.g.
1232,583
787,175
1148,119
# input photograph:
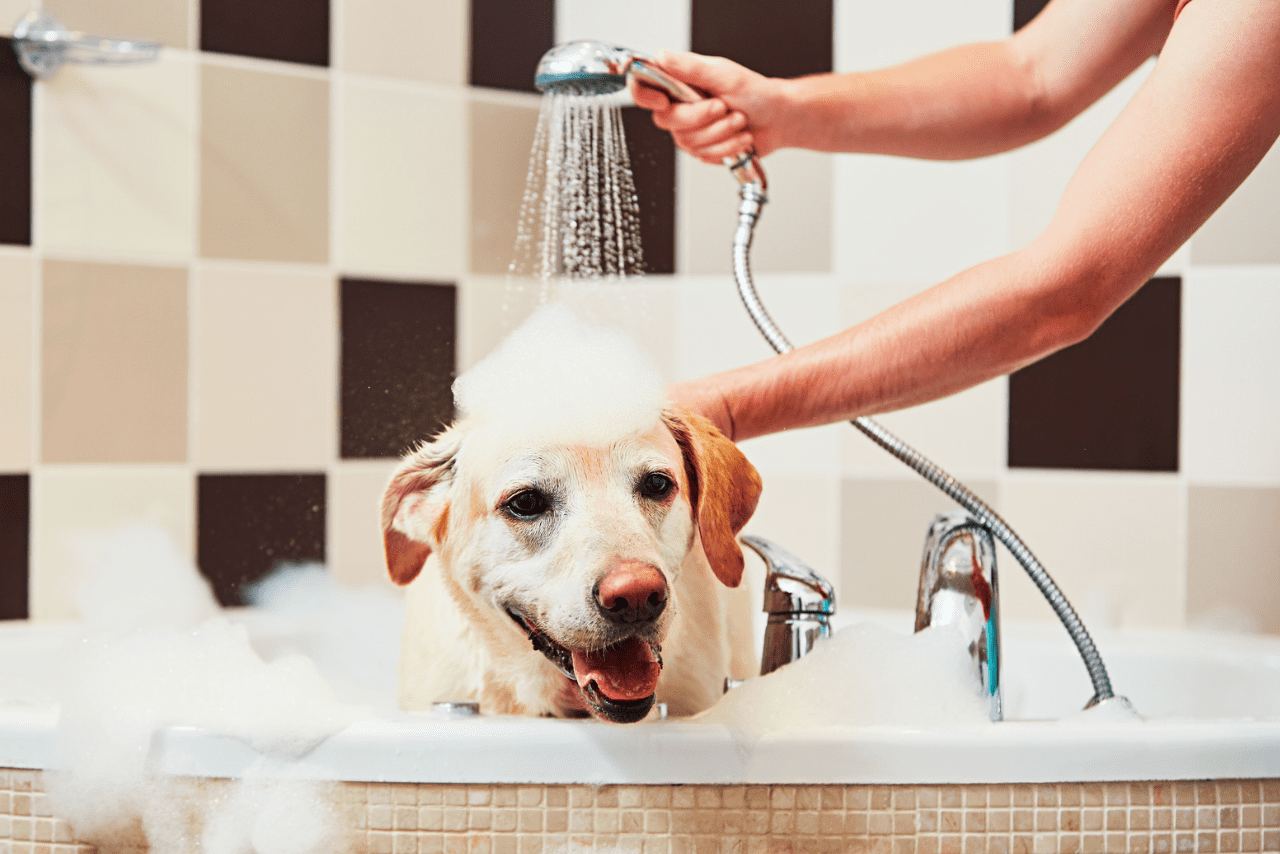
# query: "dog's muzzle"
628,670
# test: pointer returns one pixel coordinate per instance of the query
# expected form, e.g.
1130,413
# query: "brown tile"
1109,402
1025,10
653,169
15,538
114,383
507,41
264,166
15,148
1232,539
501,139
799,42
249,524
397,364
286,30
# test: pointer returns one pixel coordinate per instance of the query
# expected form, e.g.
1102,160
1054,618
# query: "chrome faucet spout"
799,603
958,588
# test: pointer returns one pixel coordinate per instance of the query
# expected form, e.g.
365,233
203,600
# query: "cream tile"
501,138
15,362
114,362
403,181
489,309
117,156
11,11
264,168
355,496
643,27
801,513
1112,543
404,38
1233,538
794,233
165,21
67,501
1245,230
266,369
1230,370
1042,170
883,526
873,35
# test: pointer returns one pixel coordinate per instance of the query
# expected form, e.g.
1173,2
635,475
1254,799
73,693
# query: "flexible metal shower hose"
748,212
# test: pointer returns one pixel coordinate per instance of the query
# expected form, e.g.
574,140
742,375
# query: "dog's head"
574,547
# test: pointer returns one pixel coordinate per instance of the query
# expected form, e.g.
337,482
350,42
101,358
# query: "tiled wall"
245,274
1066,818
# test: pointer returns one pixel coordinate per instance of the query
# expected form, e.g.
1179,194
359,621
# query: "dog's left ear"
415,507
725,488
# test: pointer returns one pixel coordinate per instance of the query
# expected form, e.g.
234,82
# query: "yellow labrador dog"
567,579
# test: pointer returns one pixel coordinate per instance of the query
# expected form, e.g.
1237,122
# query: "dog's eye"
656,485
527,504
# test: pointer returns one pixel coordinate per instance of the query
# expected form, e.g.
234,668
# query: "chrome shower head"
593,68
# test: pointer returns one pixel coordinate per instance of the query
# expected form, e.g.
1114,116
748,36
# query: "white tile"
70,500
873,35
794,233
116,161
355,499
1246,229
1231,373
266,366
918,221
645,27
402,181
1042,169
15,362
1113,543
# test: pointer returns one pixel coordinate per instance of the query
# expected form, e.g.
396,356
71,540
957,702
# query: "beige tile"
501,139
403,181
802,514
794,234
15,361
883,526
1232,541
114,382
266,369
117,148
1112,543
264,169
1245,230
355,494
165,21
68,501
405,38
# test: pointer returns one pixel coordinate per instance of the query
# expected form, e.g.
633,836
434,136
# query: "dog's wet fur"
506,546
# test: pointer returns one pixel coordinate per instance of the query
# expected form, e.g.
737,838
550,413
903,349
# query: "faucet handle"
791,586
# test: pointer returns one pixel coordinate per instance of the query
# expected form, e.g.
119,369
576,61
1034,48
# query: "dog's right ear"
415,506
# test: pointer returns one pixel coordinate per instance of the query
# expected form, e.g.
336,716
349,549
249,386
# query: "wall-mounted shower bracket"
43,46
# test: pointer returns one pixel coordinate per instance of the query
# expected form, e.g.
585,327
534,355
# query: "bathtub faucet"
799,603
958,587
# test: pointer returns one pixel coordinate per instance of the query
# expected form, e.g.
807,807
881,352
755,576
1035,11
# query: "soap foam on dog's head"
559,379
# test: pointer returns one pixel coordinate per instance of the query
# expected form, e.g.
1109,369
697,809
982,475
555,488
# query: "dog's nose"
632,593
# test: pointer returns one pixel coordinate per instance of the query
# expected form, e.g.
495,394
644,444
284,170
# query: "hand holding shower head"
593,68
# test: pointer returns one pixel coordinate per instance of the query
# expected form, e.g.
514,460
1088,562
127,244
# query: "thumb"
713,75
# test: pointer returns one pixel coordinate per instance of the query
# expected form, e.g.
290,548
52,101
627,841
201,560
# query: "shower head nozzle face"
582,68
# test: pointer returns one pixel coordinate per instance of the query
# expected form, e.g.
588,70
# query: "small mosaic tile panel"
1109,402
398,364
15,148
251,523
287,30
15,544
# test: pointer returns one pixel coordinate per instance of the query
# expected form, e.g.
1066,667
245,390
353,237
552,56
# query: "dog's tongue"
625,671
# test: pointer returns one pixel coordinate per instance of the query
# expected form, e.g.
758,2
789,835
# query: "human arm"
968,101
1196,128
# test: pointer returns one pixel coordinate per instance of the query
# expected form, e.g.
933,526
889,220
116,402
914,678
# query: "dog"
568,580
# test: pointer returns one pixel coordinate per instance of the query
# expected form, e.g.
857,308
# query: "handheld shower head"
594,68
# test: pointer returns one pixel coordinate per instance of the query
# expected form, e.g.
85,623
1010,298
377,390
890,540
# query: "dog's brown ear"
415,506
725,488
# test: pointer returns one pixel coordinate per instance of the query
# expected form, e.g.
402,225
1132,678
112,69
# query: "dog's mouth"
617,683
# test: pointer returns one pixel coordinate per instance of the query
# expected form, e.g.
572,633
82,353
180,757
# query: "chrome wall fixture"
43,46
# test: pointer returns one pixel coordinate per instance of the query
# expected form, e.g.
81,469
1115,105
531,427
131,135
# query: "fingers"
679,118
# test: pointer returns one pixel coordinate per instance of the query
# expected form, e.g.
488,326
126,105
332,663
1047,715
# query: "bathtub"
1200,773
